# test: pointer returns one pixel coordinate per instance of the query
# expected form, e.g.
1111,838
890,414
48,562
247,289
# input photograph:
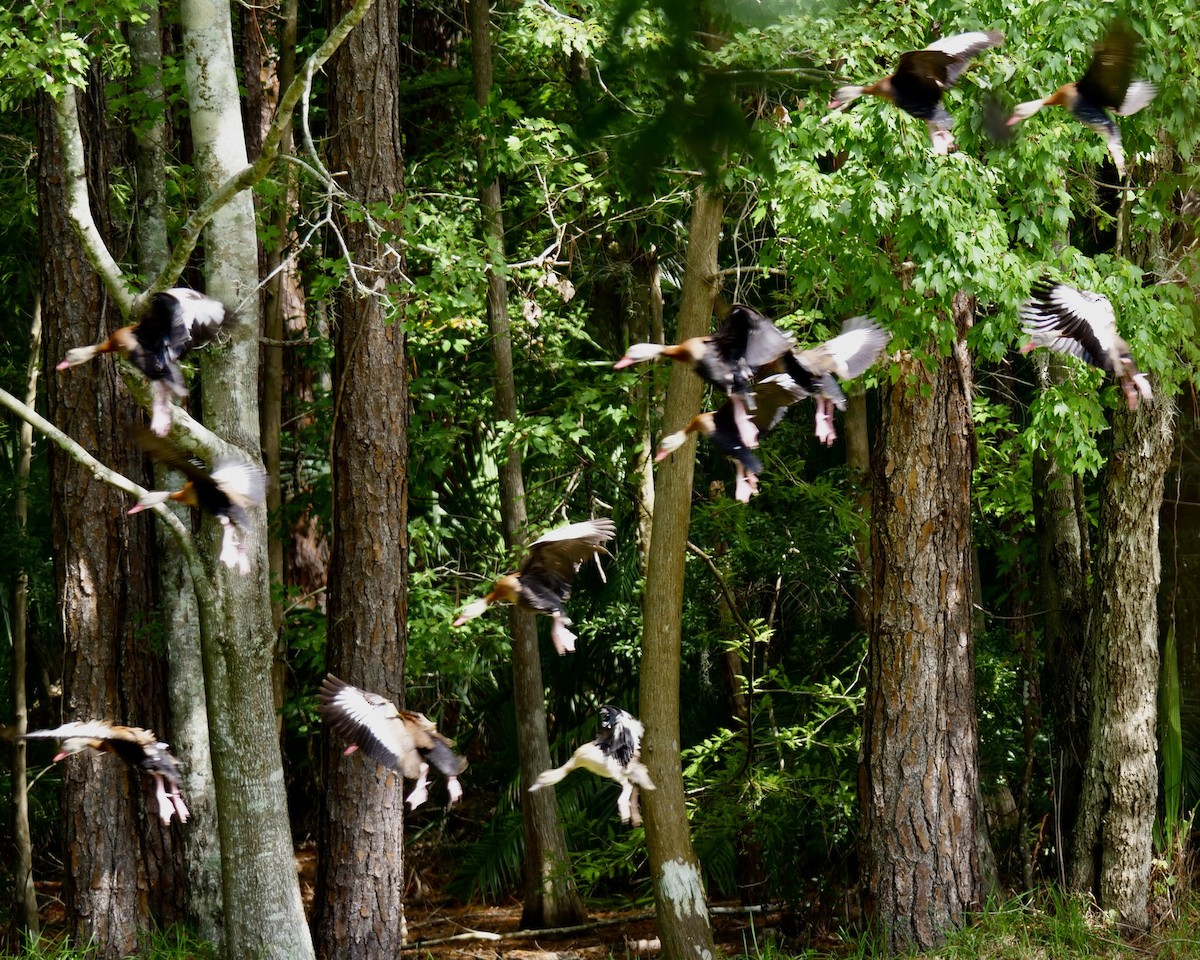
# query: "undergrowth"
1047,925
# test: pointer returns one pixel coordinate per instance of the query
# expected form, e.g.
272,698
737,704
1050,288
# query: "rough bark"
919,770
361,868
100,567
25,895
684,926
177,599
261,893
1063,562
858,460
1112,842
550,897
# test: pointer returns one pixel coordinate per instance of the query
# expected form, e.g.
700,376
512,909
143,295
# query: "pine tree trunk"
684,926
25,894
360,886
550,898
1112,842
177,599
919,771
263,912
101,568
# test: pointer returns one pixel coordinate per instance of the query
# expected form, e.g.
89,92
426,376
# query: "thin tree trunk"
648,314
99,563
25,893
283,298
550,898
1063,562
1111,852
177,598
263,912
360,908
858,460
919,771
684,926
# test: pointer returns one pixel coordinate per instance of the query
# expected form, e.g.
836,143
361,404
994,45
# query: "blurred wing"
1111,70
195,318
370,722
243,482
749,336
774,395
559,552
76,729
961,49
1078,322
853,351
165,452
626,738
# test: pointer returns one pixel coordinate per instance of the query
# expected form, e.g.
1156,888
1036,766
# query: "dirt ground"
609,932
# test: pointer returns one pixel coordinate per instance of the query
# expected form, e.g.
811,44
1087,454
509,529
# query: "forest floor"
611,932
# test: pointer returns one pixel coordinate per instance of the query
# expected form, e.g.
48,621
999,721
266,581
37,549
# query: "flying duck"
401,740
921,77
227,492
177,321
543,584
728,360
616,754
139,748
815,372
1108,85
1069,320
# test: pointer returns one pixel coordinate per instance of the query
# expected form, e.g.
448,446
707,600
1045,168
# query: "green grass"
1048,925
173,944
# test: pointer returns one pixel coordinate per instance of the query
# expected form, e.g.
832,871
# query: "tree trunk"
1063,562
684,925
550,896
1112,842
360,886
100,566
25,895
177,599
919,771
858,461
263,912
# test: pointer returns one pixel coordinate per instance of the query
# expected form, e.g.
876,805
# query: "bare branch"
80,209
109,476
251,174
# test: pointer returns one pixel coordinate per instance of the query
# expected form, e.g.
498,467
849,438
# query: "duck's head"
639,353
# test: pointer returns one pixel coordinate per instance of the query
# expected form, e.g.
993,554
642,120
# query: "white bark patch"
680,886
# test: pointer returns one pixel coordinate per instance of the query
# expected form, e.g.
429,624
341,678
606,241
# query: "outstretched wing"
370,722
1111,70
194,318
774,395
1077,322
558,553
961,49
165,452
748,336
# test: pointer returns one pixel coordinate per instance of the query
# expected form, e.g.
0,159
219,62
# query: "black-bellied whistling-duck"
402,740
178,320
543,584
745,343
721,430
921,77
616,754
861,342
773,395
139,748
233,486
1081,323
1107,85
